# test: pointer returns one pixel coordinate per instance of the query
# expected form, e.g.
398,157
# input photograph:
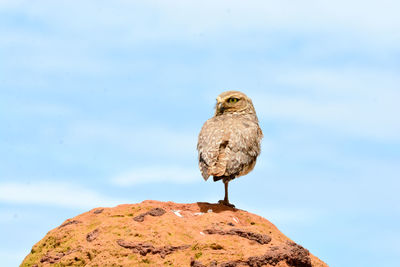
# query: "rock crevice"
259,238
145,248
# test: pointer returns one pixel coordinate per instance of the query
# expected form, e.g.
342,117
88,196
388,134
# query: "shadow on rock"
217,208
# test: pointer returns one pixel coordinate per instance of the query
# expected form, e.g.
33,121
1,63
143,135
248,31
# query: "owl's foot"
226,203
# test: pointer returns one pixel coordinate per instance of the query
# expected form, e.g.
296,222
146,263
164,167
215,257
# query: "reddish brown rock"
168,234
92,235
262,239
153,212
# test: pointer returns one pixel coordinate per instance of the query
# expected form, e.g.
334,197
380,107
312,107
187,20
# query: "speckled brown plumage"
229,143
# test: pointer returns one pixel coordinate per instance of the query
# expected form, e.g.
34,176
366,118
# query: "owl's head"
233,102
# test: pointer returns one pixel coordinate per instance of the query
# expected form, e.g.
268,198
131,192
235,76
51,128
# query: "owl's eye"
233,100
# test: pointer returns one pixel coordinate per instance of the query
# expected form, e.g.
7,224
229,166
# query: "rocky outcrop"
155,233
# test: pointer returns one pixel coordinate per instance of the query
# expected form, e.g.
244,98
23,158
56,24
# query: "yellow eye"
233,100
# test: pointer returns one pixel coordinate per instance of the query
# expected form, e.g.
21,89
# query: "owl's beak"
220,107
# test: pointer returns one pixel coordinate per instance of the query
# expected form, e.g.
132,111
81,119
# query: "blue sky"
101,103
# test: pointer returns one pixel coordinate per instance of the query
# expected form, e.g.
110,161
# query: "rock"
151,234
69,223
262,239
92,235
153,212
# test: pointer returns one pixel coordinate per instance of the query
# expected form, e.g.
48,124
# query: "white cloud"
309,15
170,20
54,194
157,174
85,44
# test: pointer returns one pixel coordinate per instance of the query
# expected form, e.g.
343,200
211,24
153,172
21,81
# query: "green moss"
92,226
132,257
187,235
146,261
128,231
80,261
198,255
216,246
50,242
40,249
28,262
31,259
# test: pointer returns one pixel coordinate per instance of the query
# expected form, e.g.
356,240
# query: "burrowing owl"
229,142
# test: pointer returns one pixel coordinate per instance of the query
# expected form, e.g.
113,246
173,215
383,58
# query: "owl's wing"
245,137
211,147
243,147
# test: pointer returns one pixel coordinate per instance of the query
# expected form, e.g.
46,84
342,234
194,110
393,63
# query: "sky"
101,103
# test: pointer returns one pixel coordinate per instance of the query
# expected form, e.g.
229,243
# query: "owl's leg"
226,200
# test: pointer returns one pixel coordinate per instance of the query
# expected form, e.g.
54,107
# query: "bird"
230,141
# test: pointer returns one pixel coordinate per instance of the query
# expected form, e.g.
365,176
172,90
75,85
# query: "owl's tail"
217,178
224,178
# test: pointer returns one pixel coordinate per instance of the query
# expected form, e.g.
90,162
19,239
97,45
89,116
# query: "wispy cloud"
341,13
166,24
59,194
157,174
